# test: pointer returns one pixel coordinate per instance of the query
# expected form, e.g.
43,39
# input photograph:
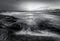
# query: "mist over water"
33,24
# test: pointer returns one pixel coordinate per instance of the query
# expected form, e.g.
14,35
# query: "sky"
28,4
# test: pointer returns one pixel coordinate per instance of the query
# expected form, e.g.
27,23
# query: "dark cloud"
7,4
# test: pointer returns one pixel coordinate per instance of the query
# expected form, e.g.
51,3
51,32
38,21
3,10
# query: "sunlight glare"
33,6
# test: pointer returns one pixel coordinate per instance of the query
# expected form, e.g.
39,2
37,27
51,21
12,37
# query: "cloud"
13,4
